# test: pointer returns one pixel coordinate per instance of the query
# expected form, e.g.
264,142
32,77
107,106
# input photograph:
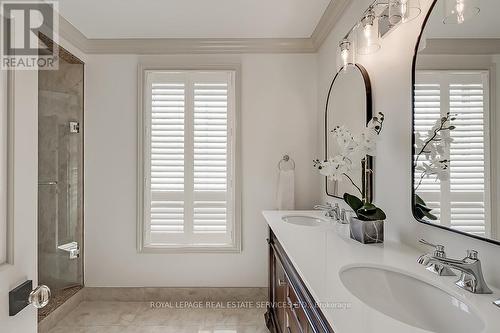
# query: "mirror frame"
369,114
413,72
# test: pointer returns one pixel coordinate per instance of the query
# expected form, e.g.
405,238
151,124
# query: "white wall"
278,116
390,73
3,166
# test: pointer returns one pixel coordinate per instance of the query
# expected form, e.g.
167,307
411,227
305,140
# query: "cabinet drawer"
280,291
297,309
292,324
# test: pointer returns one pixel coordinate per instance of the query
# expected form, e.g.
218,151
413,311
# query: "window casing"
190,197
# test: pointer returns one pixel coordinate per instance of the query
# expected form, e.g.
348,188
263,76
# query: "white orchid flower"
439,168
434,149
352,150
335,167
367,142
326,169
344,139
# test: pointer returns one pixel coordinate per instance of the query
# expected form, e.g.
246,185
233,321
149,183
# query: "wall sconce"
379,19
368,34
458,11
402,11
345,54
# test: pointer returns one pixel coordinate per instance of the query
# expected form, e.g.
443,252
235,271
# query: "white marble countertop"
320,253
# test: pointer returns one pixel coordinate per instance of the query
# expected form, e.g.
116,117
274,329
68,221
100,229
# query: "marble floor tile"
101,314
163,317
234,317
141,317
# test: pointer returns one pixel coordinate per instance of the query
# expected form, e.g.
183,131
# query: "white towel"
285,193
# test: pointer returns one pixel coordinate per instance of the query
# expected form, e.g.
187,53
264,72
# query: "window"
462,202
189,196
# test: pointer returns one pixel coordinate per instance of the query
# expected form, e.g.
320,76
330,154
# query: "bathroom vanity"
320,280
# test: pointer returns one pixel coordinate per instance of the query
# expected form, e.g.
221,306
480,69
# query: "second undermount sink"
303,220
410,300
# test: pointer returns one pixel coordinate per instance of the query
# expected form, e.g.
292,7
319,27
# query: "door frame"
21,112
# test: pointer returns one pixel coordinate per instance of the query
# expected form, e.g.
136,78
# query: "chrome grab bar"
48,183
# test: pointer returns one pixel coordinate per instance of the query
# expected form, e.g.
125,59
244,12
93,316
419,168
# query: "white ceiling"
194,18
484,25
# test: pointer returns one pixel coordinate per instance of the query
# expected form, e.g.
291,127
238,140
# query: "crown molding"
462,46
71,34
325,25
200,46
206,45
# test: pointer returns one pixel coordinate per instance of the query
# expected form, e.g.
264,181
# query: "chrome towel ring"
286,163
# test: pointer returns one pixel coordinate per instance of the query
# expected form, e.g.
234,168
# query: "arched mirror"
349,104
456,144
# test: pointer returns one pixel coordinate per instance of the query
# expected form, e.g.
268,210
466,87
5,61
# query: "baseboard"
146,294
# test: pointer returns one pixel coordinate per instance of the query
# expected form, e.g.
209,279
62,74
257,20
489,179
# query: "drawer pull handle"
282,283
293,305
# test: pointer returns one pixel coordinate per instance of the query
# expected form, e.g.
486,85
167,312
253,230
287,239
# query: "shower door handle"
39,297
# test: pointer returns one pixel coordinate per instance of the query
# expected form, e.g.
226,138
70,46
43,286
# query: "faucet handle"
439,252
472,254
436,268
343,218
436,246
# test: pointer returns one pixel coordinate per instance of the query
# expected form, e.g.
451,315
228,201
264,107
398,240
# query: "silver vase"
367,232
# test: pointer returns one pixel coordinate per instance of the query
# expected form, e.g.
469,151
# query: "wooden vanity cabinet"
291,307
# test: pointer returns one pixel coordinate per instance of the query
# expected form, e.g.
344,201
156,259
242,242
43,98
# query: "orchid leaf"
376,215
418,200
368,208
421,210
424,208
430,216
354,202
420,214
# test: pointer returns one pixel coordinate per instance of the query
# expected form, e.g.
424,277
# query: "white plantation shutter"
427,111
468,158
462,202
210,157
188,159
167,157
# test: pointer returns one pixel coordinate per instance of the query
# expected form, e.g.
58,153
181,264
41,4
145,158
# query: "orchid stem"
353,184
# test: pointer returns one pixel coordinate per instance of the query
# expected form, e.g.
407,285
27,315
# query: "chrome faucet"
332,212
471,278
435,267
344,216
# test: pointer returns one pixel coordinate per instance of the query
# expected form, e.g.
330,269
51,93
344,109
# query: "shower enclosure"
60,179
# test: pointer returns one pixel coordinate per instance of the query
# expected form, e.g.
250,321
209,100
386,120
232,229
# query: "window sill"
230,248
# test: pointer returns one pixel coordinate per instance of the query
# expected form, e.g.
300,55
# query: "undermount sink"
410,300
303,220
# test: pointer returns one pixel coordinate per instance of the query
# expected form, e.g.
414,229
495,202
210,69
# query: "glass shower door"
60,181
